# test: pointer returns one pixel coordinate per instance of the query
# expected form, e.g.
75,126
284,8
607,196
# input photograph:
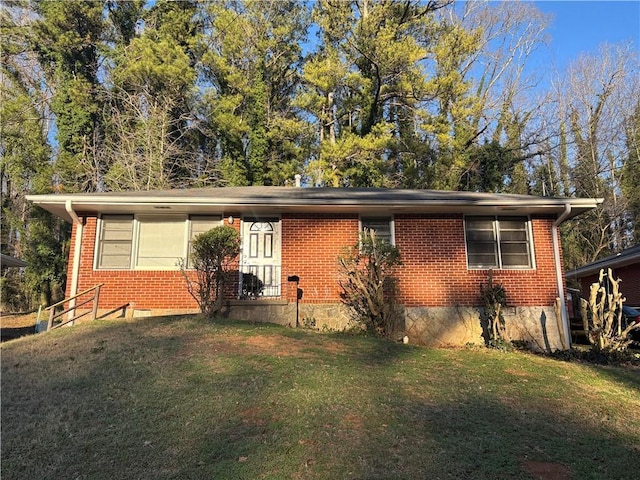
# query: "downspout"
559,279
75,272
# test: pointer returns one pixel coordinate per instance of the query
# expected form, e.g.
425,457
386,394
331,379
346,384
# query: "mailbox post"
296,280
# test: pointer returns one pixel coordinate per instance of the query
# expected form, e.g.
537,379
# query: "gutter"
285,202
75,272
560,281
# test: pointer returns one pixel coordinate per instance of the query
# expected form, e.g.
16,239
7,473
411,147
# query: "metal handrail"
267,276
94,311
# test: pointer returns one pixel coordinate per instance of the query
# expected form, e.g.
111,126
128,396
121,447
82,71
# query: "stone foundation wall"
322,316
326,316
442,326
267,311
430,326
455,326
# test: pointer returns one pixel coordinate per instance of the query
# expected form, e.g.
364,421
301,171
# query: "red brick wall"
310,248
630,286
435,266
432,248
142,289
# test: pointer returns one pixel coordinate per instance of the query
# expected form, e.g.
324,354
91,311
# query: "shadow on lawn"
13,333
481,437
177,402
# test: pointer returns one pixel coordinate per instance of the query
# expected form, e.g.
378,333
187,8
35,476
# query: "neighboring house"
449,242
9,261
624,265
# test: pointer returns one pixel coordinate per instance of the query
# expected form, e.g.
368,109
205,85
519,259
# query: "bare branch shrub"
493,297
367,282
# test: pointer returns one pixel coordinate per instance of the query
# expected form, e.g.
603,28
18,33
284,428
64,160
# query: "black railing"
259,281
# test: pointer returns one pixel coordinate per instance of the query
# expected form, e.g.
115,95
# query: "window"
199,224
148,242
161,242
498,242
265,230
115,240
383,226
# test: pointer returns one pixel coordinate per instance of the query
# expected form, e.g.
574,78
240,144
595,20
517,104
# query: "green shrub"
212,254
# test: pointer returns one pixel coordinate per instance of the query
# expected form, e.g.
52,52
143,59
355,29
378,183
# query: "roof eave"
9,261
114,203
597,266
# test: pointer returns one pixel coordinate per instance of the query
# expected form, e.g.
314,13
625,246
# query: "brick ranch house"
449,242
624,265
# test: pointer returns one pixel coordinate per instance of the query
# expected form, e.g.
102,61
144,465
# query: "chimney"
298,178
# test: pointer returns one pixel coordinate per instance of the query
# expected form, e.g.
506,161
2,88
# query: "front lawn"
184,398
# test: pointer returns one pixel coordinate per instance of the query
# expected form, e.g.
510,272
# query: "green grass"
184,398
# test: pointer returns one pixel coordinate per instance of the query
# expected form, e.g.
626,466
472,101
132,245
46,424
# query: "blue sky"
581,26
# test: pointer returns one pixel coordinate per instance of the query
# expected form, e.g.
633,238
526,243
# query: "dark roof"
625,257
9,261
296,199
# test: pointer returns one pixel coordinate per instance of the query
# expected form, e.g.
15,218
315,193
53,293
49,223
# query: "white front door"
260,264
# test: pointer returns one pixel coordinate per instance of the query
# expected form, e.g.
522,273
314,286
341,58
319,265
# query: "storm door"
260,263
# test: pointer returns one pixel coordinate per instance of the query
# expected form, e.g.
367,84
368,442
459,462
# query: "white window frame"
137,220
99,242
191,236
392,224
497,242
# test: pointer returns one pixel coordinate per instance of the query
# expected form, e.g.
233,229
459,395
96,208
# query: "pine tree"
251,64
27,232
366,86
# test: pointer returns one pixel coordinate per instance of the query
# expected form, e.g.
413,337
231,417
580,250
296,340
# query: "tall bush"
367,282
212,254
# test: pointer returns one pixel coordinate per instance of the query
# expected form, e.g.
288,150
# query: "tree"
631,173
598,116
212,254
490,165
27,232
366,86
507,35
367,282
251,64
66,37
493,297
606,331
151,130
479,56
